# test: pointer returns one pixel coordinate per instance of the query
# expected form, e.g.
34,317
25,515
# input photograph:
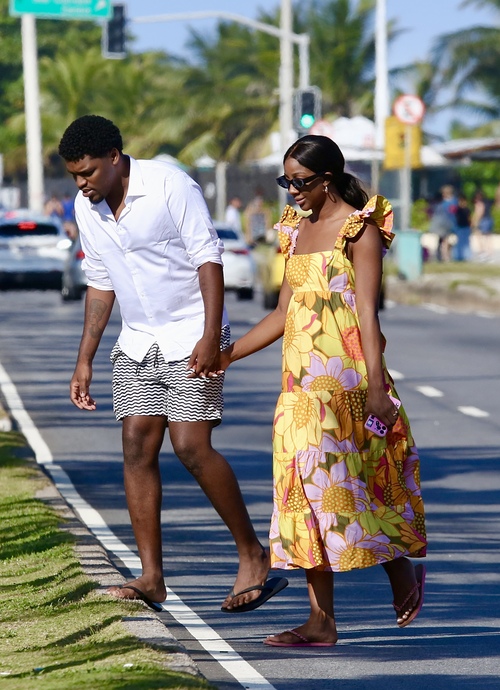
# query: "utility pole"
32,114
382,108
286,83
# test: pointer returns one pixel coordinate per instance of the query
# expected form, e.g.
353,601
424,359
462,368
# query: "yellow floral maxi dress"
343,497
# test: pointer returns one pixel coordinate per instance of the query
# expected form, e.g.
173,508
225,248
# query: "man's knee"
142,438
192,451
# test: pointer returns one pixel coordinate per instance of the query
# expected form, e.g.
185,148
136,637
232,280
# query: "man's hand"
205,359
79,392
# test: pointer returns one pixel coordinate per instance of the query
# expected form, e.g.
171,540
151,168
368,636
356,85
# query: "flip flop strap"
409,596
297,634
260,588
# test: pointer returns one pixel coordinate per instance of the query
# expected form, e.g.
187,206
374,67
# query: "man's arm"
205,358
98,307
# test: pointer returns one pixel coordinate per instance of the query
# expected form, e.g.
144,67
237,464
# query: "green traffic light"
307,120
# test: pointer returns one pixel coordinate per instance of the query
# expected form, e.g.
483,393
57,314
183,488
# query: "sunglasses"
297,182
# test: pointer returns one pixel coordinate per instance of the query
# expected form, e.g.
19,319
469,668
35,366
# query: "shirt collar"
135,182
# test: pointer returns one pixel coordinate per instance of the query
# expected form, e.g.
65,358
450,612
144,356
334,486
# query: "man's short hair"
90,135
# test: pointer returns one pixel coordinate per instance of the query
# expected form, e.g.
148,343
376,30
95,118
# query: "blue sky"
422,20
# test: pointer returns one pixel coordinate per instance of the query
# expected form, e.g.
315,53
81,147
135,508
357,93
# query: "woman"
344,497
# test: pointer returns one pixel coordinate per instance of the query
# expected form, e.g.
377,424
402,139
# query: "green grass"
465,268
56,631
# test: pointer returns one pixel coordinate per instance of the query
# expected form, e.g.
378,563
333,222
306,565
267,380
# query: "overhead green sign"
62,9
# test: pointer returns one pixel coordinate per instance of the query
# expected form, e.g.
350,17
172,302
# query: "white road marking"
211,641
16,408
430,391
396,375
473,411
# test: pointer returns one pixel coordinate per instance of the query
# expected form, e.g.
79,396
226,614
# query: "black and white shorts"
155,387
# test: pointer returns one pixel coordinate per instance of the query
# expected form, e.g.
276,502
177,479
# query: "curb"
95,563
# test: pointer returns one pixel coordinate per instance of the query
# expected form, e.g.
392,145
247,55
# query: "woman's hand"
379,404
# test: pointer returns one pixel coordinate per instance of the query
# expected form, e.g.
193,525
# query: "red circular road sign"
409,109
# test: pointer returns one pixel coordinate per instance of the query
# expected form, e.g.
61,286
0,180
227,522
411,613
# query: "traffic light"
113,35
307,107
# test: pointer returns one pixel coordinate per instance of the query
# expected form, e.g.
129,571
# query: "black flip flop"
142,597
268,590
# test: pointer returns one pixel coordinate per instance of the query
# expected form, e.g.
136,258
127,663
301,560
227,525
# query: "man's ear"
115,156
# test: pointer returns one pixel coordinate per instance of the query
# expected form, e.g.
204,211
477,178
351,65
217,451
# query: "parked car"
74,280
33,248
271,268
239,266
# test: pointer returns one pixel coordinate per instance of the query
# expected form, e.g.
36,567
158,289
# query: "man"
233,215
148,240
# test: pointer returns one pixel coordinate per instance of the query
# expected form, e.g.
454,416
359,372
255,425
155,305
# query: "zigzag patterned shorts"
155,387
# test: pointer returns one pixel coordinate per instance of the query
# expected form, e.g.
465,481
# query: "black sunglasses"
297,182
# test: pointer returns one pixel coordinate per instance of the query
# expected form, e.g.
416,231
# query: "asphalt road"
448,371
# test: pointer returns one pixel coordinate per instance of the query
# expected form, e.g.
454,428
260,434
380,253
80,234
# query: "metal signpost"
409,110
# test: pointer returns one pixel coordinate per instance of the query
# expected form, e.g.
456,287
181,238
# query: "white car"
239,265
33,249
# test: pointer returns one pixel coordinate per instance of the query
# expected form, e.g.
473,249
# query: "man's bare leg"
142,438
192,444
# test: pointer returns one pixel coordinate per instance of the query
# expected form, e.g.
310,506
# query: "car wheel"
271,300
245,293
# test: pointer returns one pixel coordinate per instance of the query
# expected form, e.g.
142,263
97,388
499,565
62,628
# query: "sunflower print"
343,497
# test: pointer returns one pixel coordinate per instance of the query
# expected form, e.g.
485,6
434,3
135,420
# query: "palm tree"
469,59
342,53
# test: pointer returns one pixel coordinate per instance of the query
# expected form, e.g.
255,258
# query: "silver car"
33,248
74,280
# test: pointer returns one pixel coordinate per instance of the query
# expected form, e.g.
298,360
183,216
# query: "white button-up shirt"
149,257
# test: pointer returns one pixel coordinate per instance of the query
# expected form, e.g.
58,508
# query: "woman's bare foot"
309,634
407,588
253,570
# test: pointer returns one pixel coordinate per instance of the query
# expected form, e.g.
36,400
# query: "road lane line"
473,411
430,391
16,409
396,375
211,641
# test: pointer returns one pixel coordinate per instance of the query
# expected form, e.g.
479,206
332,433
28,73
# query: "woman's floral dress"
343,497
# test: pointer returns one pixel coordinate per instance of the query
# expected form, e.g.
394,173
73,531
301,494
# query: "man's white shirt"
150,258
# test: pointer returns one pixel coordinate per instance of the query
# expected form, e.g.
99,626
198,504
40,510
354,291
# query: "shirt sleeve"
94,269
190,215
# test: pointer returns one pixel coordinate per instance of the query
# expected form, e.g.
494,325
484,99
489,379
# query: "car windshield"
27,228
227,234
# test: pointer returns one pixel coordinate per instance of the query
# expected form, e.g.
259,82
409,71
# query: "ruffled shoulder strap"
288,228
379,210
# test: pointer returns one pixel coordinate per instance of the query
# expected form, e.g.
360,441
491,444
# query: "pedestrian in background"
53,207
443,222
233,214
482,224
344,497
149,241
257,219
461,250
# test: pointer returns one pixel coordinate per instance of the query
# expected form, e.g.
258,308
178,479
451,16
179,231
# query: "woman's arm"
366,252
263,334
